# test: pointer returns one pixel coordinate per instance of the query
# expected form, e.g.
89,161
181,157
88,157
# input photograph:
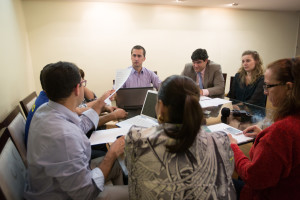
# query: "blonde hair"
258,70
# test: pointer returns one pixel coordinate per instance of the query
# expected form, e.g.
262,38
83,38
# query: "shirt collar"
133,71
70,116
203,71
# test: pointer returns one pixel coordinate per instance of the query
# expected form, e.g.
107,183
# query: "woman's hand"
252,131
232,140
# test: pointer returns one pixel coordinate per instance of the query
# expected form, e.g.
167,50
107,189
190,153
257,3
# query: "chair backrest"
27,103
231,82
12,170
225,77
15,124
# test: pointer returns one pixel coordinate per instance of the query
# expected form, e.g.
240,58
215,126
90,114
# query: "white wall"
16,77
298,40
98,36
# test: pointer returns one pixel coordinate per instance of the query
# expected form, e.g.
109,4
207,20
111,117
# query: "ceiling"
278,5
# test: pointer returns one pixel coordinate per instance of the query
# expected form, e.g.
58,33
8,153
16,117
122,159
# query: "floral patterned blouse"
202,172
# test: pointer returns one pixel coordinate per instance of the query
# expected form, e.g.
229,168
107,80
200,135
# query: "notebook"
131,98
237,134
147,118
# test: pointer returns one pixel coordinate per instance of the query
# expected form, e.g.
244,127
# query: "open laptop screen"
131,98
149,104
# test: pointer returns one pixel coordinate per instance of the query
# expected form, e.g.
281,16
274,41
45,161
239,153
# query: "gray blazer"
213,78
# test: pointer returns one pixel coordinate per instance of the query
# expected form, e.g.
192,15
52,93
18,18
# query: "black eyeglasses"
266,86
82,83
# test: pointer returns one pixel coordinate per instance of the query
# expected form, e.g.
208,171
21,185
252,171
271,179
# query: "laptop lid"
131,98
149,104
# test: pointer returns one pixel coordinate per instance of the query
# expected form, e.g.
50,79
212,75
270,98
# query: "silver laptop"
147,118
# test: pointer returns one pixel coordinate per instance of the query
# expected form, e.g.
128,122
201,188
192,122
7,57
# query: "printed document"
236,133
108,135
121,77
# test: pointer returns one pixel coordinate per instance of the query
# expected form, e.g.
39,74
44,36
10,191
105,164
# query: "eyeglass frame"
267,86
83,82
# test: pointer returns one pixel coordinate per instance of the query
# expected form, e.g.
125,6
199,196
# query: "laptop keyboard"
138,121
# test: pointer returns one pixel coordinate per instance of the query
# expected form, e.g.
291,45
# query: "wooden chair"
15,124
27,103
225,76
12,170
231,82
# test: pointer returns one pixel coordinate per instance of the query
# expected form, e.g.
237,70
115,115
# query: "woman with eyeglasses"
247,85
273,171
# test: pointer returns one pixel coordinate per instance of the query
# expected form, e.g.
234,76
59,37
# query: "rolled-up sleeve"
89,120
98,178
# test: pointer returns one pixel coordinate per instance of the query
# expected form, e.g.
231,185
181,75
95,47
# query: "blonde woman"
248,82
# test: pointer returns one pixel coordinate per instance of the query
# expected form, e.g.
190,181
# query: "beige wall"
16,77
298,40
98,36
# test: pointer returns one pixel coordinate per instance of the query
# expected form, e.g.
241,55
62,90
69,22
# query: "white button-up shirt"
58,155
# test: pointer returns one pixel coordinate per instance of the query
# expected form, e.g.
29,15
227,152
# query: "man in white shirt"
59,152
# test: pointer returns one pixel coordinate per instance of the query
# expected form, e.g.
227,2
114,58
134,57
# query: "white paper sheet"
203,98
212,102
121,77
108,135
237,134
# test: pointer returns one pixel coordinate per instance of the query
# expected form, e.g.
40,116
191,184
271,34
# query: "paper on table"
121,77
212,102
237,134
108,135
203,98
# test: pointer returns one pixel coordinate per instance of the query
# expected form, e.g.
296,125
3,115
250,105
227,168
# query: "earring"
160,119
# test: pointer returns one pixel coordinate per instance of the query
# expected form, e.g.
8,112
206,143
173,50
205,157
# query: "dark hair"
181,96
258,70
81,73
287,70
199,54
60,79
139,47
41,75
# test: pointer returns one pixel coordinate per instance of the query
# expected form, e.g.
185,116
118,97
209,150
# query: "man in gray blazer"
206,73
